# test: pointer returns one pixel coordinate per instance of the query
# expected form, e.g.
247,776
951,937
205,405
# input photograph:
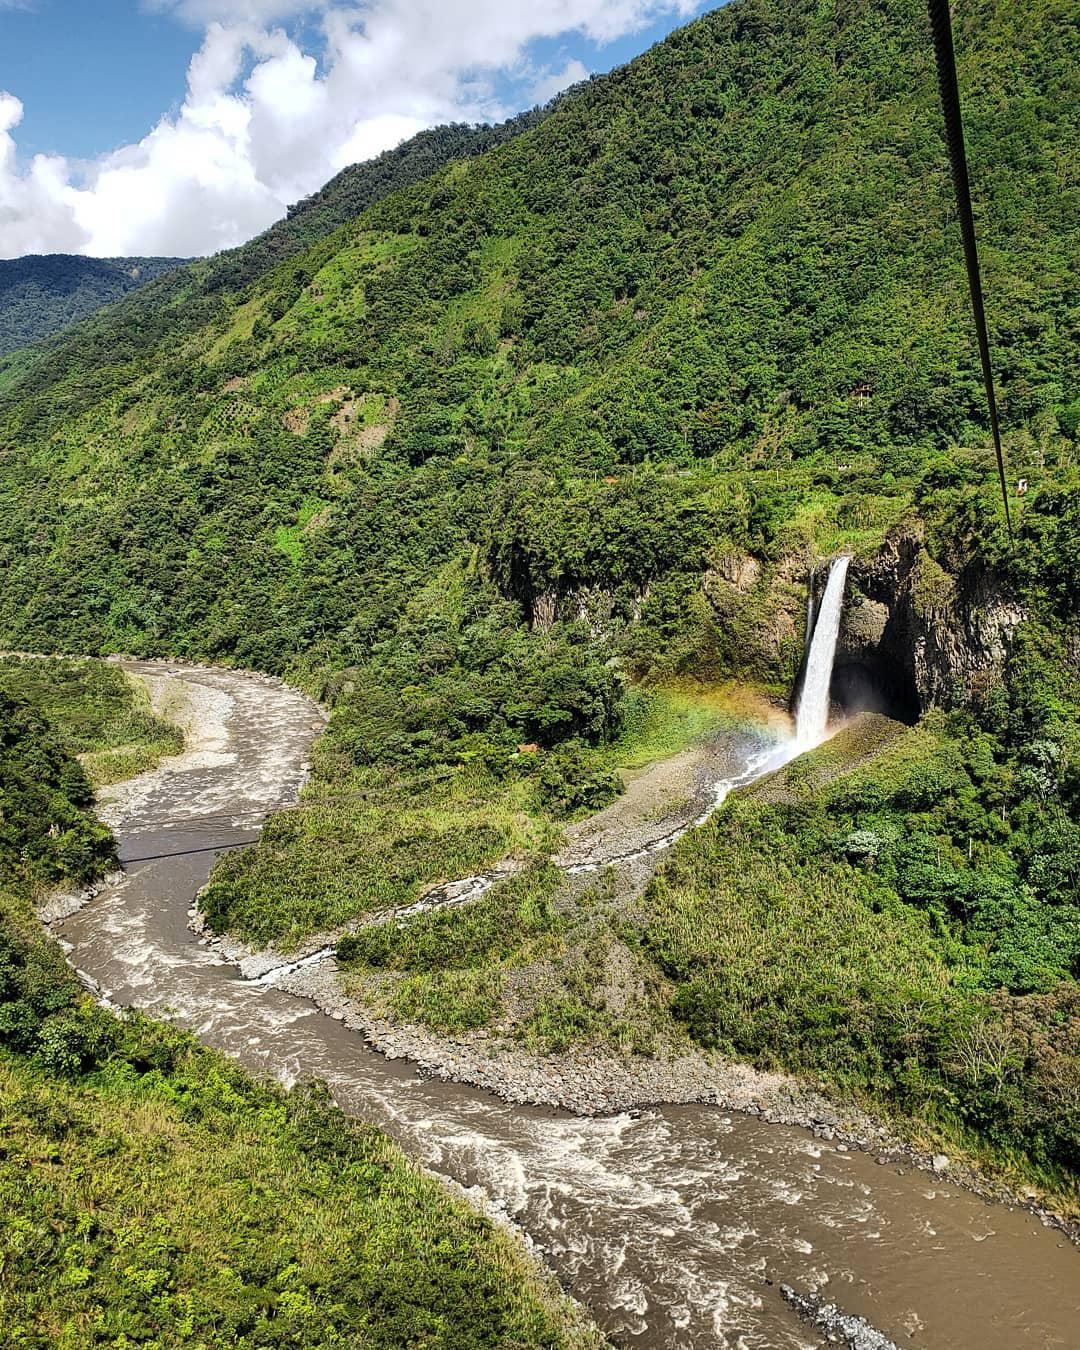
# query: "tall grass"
369,841
100,714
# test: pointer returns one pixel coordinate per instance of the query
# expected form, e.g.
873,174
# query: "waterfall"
810,605
813,714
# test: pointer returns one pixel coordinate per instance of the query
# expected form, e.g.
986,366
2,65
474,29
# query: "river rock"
837,1326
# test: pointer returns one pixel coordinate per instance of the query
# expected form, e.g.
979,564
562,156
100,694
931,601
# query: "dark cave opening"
862,686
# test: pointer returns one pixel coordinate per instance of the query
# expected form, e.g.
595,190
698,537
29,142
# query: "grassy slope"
532,959
101,716
164,1196
153,1193
113,347
373,838
665,719
887,929
830,922
363,842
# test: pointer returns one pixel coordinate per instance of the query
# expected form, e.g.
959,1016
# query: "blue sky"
97,74
92,74
187,125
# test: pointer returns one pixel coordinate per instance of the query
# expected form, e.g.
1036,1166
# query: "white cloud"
553,82
265,122
374,135
34,206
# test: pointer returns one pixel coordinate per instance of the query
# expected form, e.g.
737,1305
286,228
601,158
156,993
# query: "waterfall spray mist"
813,714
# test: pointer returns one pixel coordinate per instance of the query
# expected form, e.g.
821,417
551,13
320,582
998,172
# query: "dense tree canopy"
43,295
734,259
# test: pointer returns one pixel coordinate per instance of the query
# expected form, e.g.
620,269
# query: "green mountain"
739,252
578,414
188,299
44,294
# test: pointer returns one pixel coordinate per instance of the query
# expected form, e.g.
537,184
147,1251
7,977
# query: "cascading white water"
810,605
813,714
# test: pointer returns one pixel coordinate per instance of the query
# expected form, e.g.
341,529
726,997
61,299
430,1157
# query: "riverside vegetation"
465,467
103,719
152,1192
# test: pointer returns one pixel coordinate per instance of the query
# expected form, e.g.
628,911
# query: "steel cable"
941,23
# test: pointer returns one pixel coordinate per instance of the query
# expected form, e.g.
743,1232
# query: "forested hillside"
152,1192
115,347
583,412
42,295
734,259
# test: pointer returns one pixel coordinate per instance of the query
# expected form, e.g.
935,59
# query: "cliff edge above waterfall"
913,634
930,637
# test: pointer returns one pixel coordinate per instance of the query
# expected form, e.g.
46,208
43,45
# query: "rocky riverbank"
591,1084
838,1326
583,1083
59,905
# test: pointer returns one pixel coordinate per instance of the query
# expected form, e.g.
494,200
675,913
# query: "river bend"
675,1225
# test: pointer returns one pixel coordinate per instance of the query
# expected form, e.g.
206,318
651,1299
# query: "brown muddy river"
676,1226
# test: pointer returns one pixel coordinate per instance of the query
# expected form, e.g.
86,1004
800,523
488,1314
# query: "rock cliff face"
757,614
913,636
923,637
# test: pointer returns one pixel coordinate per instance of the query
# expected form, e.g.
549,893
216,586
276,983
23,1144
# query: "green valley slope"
42,295
112,348
152,1192
734,258
585,409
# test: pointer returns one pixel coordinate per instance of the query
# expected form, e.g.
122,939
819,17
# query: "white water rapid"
676,1225
813,714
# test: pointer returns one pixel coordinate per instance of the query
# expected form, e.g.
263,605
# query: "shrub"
78,1040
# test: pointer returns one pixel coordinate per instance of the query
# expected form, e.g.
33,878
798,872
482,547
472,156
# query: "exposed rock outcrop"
757,612
913,635
926,637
